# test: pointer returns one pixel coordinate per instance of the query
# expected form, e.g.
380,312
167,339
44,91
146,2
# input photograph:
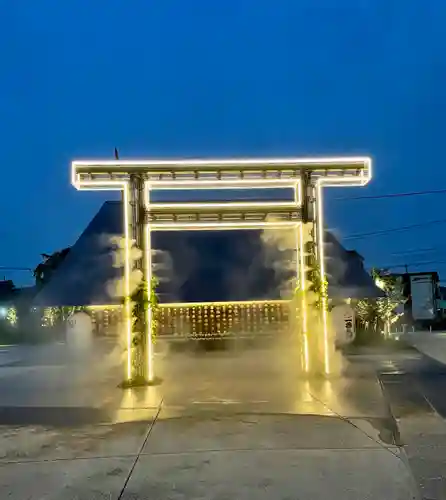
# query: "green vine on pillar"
142,300
319,287
154,305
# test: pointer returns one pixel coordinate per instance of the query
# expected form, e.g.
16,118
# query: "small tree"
44,270
382,311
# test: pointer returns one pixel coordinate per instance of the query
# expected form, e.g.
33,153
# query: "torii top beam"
221,173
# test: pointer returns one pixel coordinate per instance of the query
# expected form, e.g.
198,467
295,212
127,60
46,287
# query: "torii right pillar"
318,341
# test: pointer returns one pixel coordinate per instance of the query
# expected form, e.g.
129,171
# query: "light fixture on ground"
138,178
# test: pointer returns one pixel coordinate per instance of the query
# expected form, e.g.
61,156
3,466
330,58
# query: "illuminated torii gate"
136,179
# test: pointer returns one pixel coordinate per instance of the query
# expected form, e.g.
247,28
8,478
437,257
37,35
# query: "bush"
25,334
368,336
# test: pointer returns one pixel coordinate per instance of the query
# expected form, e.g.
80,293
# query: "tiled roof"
204,266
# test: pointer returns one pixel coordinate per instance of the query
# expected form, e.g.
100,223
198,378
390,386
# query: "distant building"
226,267
206,266
7,291
423,305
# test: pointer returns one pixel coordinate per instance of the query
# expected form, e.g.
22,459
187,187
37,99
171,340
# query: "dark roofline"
82,277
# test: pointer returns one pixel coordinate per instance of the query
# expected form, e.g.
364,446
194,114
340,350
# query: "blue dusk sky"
172,78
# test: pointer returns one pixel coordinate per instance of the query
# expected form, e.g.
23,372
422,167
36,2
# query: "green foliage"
24,332
11,316
55,316
44,271
143,300
372,312
154,304
318,288
318,285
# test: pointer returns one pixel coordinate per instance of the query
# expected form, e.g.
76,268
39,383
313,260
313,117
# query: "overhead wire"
399,229
393,230
391,195
411,264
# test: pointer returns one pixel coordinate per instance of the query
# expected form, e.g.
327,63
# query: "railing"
207,321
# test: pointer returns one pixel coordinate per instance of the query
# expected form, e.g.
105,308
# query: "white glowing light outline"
148,277
220,226
200,304
207,166
321,250
218,205
224,303
300,249
230,163
124,187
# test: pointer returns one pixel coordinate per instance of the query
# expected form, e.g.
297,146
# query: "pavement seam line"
345,419
188,452
400,457
428,401
141,448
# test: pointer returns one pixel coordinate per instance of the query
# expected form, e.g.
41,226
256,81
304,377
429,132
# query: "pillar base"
139,382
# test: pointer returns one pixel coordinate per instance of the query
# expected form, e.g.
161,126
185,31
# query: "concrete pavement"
415,385
432,344
244,456
240,426
10,354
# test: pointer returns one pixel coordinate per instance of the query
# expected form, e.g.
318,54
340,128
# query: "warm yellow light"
11,316
303,304
320,244
208,167
380,283
231,163
220,226
300,260
127,291
148,278
192,305
222,205
103,307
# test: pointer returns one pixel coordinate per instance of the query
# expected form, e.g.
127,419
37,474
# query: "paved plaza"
220,426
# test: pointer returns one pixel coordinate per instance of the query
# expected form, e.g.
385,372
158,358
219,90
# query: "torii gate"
137,178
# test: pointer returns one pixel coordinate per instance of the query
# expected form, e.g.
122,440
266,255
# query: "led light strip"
364,165
234,303
321,250
344,163
235,163
220,226
223,205
127,299
106,184
321,183
148,277
300,257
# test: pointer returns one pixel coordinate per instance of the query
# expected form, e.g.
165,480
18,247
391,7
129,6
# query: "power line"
393,230
6,268
392,195
412,264
416,251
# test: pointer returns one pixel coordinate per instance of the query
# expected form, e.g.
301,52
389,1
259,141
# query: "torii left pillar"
142,345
